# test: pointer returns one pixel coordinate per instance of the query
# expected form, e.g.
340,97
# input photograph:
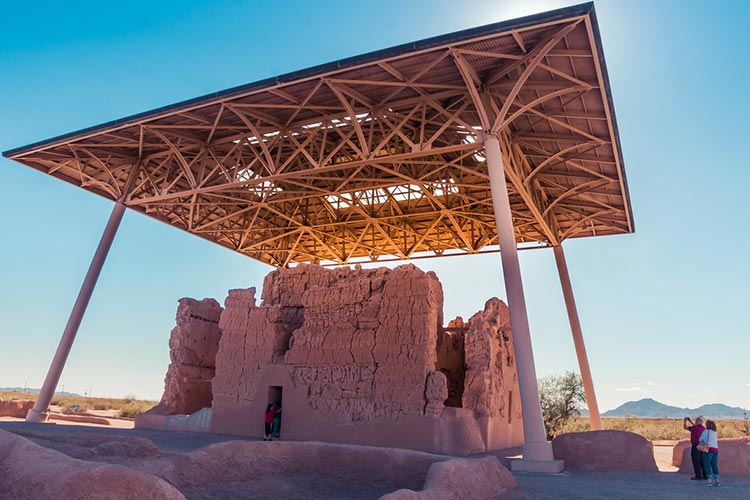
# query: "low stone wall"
734,456
414,475
461,479
38,473
79,418
239,469
17,408
199,421
610,450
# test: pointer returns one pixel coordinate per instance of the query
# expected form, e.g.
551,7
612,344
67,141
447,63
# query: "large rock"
17,408
31,472
613,450
734,456
461,479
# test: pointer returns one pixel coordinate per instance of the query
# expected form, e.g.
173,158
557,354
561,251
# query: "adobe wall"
362,358
193,345
363,342
491,381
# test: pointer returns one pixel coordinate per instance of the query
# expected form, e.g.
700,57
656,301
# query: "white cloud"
637,387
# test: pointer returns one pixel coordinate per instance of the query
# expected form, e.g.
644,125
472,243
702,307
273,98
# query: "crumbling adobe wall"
363,341
252,338
192,351
368,342
491,382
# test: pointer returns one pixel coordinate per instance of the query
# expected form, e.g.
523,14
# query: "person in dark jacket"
696,429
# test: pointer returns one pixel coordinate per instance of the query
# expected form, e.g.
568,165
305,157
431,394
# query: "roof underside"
380,156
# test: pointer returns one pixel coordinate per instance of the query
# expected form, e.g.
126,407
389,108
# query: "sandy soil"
583,485
663,455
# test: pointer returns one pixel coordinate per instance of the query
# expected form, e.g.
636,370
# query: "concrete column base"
538,467
540,451
537,457
36,416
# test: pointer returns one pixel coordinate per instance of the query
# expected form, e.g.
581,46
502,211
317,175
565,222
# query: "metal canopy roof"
379,156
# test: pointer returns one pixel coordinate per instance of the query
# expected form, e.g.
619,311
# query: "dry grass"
128,406
656,429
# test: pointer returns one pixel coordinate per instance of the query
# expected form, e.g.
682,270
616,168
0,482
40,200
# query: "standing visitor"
268,423
695,454
276,427
711,459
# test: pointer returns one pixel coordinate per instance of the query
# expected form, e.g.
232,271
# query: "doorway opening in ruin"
275,395
451,360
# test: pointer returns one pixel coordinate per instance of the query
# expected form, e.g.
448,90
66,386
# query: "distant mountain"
29,390
649,408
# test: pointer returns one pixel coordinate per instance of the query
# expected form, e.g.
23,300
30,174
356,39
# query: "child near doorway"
268,423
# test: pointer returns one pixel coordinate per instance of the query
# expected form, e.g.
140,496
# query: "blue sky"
653,304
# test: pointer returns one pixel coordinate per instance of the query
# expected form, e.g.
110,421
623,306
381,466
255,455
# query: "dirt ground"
584,485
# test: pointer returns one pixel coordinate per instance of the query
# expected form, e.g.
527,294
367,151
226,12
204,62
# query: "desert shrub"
71,408
575,425
654,429
562,398
135,407
130,398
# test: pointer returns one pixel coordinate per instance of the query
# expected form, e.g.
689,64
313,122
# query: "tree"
562,398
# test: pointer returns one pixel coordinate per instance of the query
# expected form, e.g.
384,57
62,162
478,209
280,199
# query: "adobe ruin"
353,355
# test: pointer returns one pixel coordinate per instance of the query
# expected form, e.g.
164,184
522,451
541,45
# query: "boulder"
734,456
612,450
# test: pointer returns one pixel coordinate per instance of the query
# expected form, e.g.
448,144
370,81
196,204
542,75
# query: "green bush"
562,399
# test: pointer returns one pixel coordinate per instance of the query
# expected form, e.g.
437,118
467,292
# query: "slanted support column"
575,328
39,412
537,451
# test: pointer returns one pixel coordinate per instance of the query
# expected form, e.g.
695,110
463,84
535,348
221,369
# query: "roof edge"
341,64
613,115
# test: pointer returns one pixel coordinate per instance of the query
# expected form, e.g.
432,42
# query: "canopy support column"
39,412
537,451
575,328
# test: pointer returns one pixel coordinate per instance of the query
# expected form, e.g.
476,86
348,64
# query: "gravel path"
617,485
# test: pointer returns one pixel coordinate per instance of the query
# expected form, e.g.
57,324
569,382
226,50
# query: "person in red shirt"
268,421
695,454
